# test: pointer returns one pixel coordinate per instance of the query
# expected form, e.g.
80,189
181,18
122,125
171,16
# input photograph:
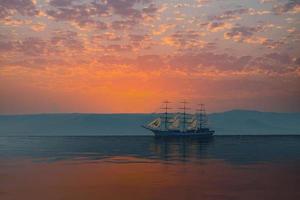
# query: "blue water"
233,149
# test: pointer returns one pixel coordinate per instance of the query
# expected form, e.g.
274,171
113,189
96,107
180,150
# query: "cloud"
38,27
66,39
185,39
126,8
61,43
138,40
266,1
276,63
118,48
162,28
35,62
240,33
197,63
138,37
253,11
61,3
292,6
268,64
23,7
248,35
280,58
119,18
124,24
32,46
218,26
269,43
80,14
150,10
208,60
201,3
88,14
107,36
230,14
10,21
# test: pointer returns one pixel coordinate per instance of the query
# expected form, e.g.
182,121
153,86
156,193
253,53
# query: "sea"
145,167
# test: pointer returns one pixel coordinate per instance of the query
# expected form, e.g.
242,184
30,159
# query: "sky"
127,56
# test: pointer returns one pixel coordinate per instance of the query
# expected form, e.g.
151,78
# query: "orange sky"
129,55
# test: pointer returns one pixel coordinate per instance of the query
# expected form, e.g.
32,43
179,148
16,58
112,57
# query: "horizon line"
134,113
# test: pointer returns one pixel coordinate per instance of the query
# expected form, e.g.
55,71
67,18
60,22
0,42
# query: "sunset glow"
127,56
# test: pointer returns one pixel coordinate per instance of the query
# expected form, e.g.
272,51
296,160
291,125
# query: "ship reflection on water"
236,150
233,149
182,149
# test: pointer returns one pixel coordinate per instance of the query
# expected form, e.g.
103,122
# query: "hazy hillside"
254,122
232,122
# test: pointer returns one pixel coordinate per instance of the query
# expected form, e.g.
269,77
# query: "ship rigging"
181,123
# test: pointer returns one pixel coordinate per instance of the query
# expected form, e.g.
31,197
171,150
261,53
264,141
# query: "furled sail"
155,123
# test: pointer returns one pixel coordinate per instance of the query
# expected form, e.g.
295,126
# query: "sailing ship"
181,124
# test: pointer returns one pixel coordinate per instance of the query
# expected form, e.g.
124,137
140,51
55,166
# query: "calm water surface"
225,167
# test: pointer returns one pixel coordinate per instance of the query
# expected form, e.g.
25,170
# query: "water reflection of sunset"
139,179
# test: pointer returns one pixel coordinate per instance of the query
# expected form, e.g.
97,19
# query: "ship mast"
184,108
166,108
202,116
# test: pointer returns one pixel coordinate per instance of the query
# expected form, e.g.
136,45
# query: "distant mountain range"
235,122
